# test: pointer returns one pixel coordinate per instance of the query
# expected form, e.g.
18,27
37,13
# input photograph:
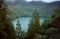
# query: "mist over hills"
25,3
17,9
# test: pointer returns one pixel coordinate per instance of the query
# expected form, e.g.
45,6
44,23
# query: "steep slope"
26,9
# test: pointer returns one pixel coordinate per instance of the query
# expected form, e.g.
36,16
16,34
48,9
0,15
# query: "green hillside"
15,11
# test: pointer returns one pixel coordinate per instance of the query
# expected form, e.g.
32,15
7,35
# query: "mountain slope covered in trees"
26,9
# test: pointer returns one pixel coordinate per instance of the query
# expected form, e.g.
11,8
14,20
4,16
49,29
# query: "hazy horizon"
47,1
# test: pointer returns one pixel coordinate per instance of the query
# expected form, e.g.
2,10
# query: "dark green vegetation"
50,28
18,29
33,26
26,9
6,27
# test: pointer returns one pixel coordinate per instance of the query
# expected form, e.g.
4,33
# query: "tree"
56,21
23,34
48,30
6,27
34,25
51,28
18,29
2,10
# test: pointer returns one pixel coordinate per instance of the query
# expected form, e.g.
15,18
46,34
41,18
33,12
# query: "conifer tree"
6,27
56,21
51,28
34,25
18,29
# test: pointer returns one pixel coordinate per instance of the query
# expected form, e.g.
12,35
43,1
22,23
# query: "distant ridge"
27,8
56,3
25,3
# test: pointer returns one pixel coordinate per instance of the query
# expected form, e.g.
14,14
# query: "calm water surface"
24,21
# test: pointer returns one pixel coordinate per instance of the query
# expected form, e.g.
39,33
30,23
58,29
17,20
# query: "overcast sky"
35,0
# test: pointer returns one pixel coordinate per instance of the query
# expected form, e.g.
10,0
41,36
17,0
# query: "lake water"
24,21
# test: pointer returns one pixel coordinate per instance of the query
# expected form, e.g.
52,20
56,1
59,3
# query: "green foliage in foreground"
50,29
6,27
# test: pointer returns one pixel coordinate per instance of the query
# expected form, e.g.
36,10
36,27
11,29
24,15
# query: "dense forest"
49,29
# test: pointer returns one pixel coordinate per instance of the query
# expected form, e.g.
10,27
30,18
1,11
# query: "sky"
50,0
35,0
